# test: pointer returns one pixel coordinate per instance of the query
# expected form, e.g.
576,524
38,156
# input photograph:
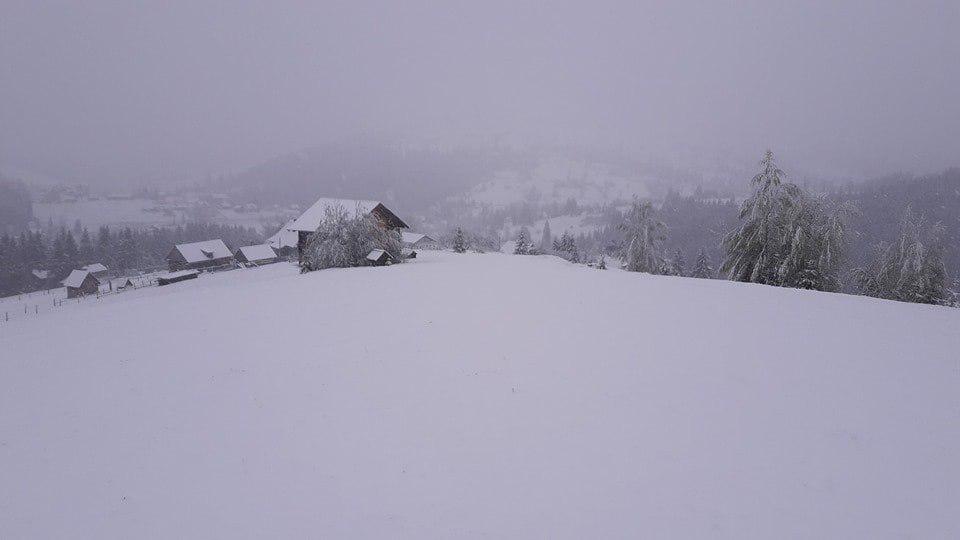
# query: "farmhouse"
307,223
256,255
206,255
81,283
98,270
415,240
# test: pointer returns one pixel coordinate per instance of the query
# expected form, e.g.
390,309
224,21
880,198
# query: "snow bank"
483,396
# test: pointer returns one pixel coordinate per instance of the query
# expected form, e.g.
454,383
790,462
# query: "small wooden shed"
379,257
256,255
81,283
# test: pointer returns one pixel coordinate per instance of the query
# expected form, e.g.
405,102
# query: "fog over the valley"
111,92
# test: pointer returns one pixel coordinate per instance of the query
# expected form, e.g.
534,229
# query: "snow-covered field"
479,396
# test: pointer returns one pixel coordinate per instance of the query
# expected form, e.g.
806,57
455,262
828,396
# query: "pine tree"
678,266
704,267
459,243
523,243
87,252
566,246
754,249
71,252
104,251
645,236
128,255
546,239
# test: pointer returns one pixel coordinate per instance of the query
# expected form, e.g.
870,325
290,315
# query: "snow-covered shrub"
342,241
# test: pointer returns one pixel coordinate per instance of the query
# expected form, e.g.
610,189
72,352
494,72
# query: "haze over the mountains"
117,92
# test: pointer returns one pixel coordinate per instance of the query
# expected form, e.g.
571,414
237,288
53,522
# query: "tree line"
781,235
789,238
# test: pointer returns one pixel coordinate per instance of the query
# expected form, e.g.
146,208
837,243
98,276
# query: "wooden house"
310,220
256,255
379,257
414,241
81,283
206,255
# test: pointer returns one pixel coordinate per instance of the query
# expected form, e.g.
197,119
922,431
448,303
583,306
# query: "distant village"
188,260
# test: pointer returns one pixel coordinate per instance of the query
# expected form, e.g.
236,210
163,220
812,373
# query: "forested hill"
882,204
410,179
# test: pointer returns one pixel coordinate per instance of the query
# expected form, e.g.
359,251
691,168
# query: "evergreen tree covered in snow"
815,235
911,269
754,248
87,252
459,243
678,266
566,246
704,266
644,238
523,242
546,239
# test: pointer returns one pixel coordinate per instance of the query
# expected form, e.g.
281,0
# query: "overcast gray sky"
146,89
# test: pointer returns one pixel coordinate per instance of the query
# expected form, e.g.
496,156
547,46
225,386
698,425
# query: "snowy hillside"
479,396
557,180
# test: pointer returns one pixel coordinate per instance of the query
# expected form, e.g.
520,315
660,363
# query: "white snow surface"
491,396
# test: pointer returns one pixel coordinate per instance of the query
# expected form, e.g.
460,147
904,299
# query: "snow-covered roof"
285,237
311,218
258,252
40,274
413,237
204,251
95,267
75,279
375,255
